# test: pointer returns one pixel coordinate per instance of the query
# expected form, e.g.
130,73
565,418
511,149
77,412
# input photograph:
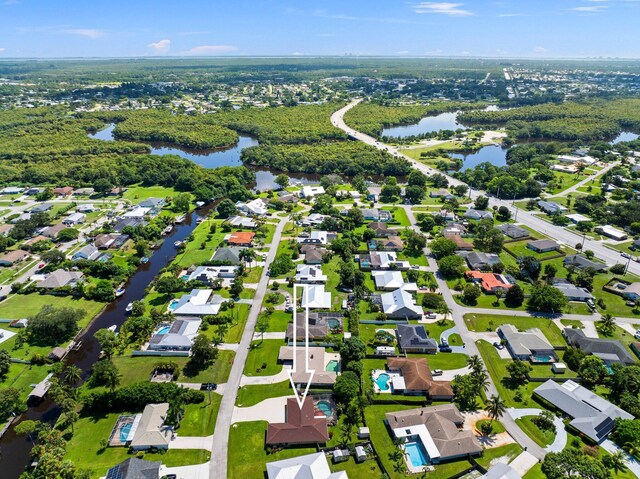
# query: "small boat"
144,260
167,230
113,327
128,309
200,220
199,204
179,219
119,292
177,244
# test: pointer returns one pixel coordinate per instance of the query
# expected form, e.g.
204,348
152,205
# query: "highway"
558,233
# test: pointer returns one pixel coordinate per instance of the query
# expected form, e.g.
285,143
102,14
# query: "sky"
473,28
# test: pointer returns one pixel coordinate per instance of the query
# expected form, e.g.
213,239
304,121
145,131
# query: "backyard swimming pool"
333,323
124,432
325,406
542,358
332,366
163,330
382,381
173,304
417,454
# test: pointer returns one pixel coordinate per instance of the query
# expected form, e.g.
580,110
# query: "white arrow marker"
294,370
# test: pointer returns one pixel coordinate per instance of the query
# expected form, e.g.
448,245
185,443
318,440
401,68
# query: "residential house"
122,223
60,278
611,351
314,296
52,231
631,292
310,274
317,238
199,302
592,415
84,192
391,279
491,282
74,219
302,426
134,468
138,212
481,261
209,274
149,430
32,191
117,191
381,229
325,365
415,379
385,216
438,429
320,324
13,257
28,245
381,260
314,219
400,304
513,231
582,262
41,208
392,243
452,230
441,193
611,232
473,214
313,254
578,218
5,228
309,466
551,207
311,191
179,337
86,208
371,214
413,338
63,191
241,222
530,345
155,204
227,255
88,252
461,245
543,245
501,471
572,292
11,190
255,207
110,241
241,238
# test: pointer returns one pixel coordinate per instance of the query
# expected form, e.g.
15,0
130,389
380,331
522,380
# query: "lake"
625,136
494,154
265,178
443,121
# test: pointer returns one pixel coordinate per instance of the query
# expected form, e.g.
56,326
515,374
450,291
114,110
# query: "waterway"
14,450
428,124
265,178
494,154
625,136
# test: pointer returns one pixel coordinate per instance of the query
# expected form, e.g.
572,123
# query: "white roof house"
148,429
314,219
577,218
207,274
254,207
611,232
310,466
309,273
390,280
315,237
314,296
86,208
311,191
74,219
138,212
400,304
197,303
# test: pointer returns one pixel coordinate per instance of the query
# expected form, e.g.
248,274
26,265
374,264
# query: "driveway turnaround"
632,463
276,378
561,434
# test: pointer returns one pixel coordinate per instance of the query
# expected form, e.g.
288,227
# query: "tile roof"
300,426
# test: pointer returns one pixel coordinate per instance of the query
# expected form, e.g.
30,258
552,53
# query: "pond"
625,136
265,178
494,154
443,121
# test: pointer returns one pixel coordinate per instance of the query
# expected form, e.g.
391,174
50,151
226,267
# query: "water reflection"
494,154
625,136
443,121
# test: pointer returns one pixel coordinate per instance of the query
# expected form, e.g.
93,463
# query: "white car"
637,335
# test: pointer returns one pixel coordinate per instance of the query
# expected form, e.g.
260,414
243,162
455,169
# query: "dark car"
445,348
498,345
208,387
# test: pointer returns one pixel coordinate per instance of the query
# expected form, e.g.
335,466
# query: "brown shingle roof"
300,426
417,376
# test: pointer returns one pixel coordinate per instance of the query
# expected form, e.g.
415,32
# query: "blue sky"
489,28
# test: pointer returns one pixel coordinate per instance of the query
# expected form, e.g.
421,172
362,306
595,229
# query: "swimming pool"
417,454
332,366
124,432
542,358
173,305
326,407
382,381
333,323
185,277
163,330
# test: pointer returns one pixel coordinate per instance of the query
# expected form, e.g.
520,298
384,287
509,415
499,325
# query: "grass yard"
615,304
490,455
252,395
399,215
519,248
24,305
542,438
278,321
22,376
535,472
200,419
85,451
487,322
572,323
247,454
444,360
364,470
263,353
496,426
136,194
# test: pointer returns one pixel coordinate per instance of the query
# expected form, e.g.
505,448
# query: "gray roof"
551,206
134,468
151,203
524,343
582,262
474,214
573,292
592,415
88,252
512,231
606,349
400,304
59,278
478,260
230,255
414,336
124,222
543,244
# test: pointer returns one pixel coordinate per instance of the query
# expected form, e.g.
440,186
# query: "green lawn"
399,215
22,376
542,438
200,419
24,305
278,321
444,360
84,450
496,426
252,395
201,249
487,322
615,304
247,454
263,353
509,450
519,248
139,193
364,470
535,472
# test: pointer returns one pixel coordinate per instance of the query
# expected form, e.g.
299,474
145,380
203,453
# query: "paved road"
585,181
220,441
558,233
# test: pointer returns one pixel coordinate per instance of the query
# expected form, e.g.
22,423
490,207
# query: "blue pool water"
332,366
163,330
383,381
325,407
542,358
173,305
417,454
333,323
124,432
185,277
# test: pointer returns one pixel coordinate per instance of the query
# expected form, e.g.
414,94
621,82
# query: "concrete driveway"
559,442
632,463
276,378
196,471
191,442
271,410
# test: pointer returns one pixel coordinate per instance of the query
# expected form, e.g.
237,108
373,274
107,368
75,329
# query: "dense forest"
372,118
588,121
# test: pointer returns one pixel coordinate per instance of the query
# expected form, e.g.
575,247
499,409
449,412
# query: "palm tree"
607,324
72,375
347,432
495,407
475,363
396,455
481,380
444,310
248,255
617,462
112,379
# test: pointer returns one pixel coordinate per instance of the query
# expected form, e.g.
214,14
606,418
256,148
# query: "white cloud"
540,50
434,52
589,9
161,46
207,50
1,50
84,32
445,8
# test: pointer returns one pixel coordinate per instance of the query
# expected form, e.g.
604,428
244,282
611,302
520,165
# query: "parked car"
637,335
625,255
208,387
437,372
498,345
445,348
